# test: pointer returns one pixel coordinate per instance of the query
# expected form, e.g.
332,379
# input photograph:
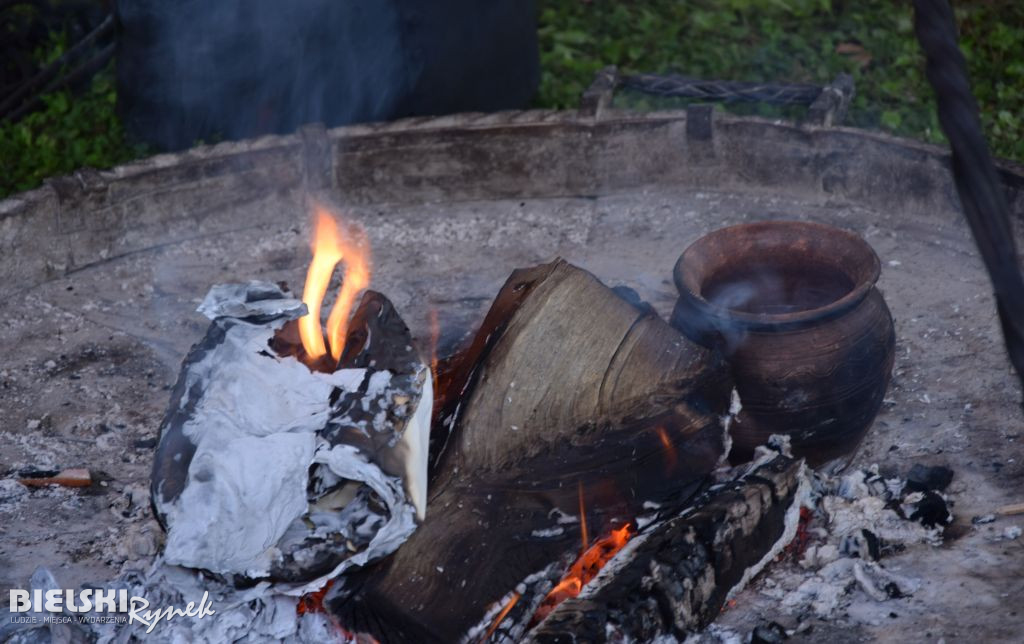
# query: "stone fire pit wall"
92,216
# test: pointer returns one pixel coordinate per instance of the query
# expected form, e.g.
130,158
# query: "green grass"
793,41
758,40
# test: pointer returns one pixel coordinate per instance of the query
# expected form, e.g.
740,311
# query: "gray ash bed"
103,272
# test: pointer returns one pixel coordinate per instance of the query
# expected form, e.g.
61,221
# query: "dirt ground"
89,359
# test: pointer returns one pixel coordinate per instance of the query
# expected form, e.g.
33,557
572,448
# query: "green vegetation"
793,41
760,40
70,130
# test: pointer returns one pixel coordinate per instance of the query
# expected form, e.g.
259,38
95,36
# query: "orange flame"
313,602
670,450
585,569
583,520
435,337
331,245
500,617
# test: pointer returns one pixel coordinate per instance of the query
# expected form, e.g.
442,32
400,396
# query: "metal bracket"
598,97
317,162
826,106
833,103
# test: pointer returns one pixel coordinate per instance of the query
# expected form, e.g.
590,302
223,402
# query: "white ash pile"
838,568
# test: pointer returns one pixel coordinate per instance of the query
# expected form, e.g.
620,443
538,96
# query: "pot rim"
689,287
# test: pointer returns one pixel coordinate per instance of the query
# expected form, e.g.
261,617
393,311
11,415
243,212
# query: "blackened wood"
677,578
567,386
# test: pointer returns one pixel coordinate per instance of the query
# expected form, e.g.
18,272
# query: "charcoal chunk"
924,477
932,511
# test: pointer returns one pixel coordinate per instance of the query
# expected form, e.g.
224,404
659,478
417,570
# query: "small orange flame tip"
670,449
500,617
583,519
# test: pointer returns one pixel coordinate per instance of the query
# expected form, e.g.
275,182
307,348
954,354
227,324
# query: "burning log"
674,578
572,407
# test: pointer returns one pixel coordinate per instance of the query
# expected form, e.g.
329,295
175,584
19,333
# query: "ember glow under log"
676,575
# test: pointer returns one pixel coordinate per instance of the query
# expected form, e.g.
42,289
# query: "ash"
844,566
263,499
90,357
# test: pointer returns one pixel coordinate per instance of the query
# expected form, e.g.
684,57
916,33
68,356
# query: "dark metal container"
794,309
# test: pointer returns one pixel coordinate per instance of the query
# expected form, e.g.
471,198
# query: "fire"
670,450
585,568
583,520
331,245
313,602
435,337
501,617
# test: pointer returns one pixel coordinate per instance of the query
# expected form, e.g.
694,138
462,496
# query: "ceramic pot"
794,310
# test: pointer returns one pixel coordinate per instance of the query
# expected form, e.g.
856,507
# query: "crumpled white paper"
253,418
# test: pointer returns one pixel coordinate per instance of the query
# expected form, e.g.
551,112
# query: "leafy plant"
72,129
808,41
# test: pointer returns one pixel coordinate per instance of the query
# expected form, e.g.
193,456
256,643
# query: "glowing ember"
313,602
331,245
584,569
590,562
670,449
501,616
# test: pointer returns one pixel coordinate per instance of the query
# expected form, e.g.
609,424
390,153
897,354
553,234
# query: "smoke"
192,69
749,294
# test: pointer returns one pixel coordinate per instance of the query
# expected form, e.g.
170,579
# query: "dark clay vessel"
810,342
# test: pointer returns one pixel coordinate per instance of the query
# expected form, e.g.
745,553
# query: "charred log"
568,390
676,577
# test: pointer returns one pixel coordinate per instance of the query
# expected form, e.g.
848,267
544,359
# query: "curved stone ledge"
90,216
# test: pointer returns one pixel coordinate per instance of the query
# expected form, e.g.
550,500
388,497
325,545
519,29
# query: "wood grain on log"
566,387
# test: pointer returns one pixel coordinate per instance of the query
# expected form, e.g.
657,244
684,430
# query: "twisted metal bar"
24,94
981,192
725,91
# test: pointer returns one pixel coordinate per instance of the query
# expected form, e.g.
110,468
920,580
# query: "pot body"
815,373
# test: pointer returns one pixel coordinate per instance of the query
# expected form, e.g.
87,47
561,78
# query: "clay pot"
809,340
